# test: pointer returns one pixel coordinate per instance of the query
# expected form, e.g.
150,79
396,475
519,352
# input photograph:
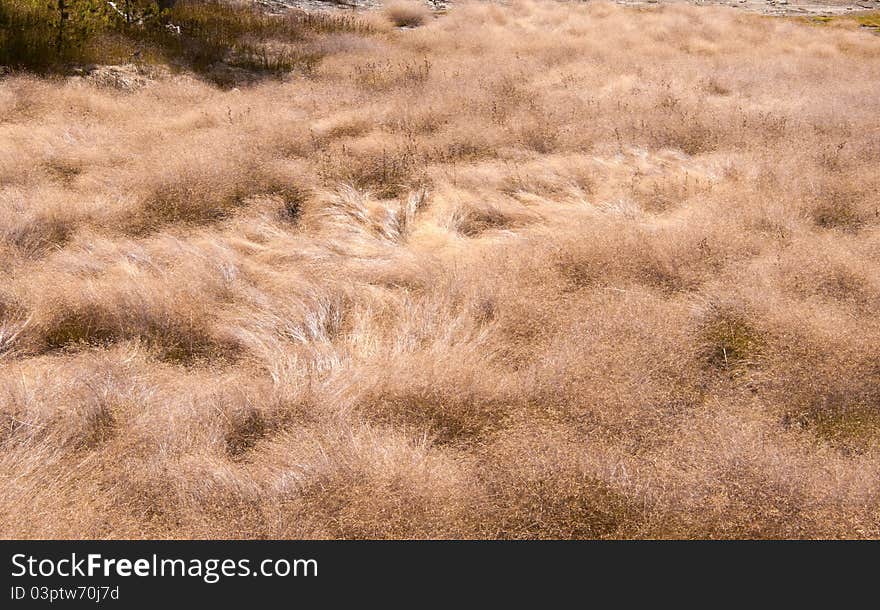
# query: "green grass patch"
851,428
730,340
866,20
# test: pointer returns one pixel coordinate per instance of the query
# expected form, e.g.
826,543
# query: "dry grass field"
539,270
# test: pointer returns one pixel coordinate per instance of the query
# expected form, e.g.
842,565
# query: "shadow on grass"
227,44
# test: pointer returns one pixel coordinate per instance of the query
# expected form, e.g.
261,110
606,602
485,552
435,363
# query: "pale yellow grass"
532,270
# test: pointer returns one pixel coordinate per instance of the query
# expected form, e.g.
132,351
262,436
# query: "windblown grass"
528,270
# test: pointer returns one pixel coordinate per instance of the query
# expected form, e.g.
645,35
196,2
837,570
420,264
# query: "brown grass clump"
530,270
406,13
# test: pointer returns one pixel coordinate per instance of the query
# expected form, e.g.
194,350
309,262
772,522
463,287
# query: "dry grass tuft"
406,13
